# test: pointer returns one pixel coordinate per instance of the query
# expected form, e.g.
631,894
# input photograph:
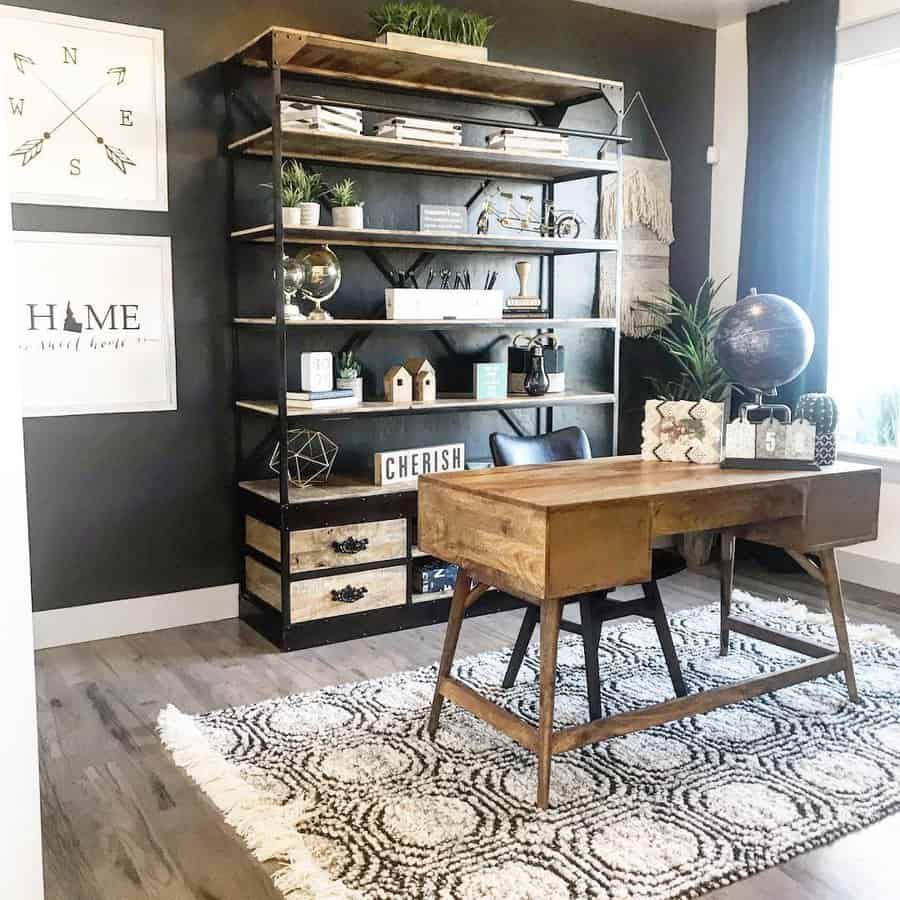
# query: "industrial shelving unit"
281,585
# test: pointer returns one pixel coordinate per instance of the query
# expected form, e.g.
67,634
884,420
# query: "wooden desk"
544,533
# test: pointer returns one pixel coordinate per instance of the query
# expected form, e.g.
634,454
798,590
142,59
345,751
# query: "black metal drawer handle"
349,594
350,545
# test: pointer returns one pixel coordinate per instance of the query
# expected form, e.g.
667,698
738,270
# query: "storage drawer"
316,598
331,548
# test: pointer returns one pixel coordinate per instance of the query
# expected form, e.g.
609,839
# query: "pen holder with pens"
519,360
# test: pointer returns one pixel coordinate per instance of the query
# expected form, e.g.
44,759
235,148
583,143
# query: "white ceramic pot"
354,384
290,216
309,214
447,49
347,216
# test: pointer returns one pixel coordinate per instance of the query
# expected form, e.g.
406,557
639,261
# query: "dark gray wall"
131,505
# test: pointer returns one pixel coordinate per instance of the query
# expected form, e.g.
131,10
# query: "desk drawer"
333,547
316,598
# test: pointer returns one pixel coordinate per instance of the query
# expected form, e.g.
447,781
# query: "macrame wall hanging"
648,233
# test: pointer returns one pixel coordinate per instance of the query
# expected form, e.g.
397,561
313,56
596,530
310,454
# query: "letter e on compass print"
85,108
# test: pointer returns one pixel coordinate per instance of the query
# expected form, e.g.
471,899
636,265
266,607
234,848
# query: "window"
864,331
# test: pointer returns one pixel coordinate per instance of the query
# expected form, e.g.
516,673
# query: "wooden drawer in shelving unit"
334,547
314,598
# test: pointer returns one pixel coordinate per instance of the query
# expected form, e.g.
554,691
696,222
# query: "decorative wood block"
424,380
398,385
397,466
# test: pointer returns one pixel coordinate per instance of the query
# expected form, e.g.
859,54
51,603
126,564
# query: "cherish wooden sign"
397,466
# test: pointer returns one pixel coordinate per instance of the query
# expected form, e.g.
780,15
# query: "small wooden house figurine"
424,380
398,385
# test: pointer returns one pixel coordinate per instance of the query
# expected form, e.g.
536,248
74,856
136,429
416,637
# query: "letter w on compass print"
29,150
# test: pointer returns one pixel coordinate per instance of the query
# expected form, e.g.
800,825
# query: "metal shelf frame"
547,116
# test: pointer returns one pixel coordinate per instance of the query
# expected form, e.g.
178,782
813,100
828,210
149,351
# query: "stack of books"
429,131
340,398
317,117
523,140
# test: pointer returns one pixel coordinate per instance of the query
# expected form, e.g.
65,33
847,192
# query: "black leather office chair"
596,607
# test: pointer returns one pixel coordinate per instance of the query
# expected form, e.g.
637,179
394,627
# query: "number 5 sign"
85,109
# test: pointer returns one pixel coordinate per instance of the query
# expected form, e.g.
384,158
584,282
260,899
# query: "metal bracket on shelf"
614,95
258,453
252,109
394,276
478,193
552,116
516,427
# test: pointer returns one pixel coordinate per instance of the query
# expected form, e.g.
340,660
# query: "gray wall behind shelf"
140,504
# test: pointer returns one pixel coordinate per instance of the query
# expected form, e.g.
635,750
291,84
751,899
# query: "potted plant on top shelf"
686,421
423,26
347,211
300,195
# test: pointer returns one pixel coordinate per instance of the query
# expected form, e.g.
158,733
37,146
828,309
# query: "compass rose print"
30,149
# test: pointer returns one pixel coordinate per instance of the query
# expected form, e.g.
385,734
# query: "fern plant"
424,18
686,333
307,187
344,193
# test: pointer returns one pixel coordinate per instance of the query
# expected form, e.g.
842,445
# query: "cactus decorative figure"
350,374
348,366
821,411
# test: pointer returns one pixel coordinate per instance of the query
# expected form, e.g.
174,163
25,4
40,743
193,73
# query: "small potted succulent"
300,194
423,26
821,410
347,211
350,375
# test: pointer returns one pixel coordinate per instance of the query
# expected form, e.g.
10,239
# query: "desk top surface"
616,479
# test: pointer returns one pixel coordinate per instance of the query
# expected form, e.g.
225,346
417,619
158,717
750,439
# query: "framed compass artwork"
85,109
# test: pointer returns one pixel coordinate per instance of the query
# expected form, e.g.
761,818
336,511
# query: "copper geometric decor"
311,455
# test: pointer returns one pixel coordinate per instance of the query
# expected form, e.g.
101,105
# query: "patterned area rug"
344,790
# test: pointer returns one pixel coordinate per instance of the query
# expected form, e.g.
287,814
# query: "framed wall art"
85,109
96,330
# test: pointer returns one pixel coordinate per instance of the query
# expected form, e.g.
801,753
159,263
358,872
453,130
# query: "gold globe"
322,278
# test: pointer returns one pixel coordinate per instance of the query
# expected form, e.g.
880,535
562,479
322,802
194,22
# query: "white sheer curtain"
864,333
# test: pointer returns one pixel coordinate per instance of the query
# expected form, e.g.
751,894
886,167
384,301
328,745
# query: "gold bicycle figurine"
552,222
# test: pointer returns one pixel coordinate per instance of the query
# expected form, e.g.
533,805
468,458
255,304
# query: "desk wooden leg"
551,613
461,591
726,587
838,616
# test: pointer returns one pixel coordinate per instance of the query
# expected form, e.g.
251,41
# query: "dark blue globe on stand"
764,341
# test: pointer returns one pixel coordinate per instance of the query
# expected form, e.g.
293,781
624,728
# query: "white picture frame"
85,105
96,323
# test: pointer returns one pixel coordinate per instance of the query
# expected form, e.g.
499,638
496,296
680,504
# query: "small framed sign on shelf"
398,466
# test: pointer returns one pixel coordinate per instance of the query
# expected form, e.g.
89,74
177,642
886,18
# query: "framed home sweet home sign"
95,320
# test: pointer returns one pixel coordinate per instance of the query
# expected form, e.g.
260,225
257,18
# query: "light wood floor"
121,821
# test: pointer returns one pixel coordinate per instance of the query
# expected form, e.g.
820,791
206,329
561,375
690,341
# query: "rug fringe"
792,609
266,826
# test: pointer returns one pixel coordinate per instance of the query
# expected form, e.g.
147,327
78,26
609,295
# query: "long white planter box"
447,49
412,303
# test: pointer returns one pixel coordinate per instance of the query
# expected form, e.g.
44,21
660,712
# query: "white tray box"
411,303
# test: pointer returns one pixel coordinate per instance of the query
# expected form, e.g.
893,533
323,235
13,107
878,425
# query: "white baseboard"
882,574
96,621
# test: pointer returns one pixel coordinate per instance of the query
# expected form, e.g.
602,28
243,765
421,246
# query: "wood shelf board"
422,240
436,324
442,404
357,61
339,487
381,152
